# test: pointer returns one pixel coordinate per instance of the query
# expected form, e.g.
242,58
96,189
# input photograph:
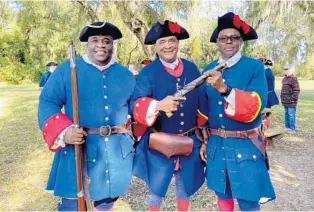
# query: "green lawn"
25,160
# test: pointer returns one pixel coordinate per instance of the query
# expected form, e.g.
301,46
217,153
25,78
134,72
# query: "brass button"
220,102
239,156
181,114
178,79
181,105
106,107
254,157
107,119
94,160
105,97
105,86
106,139
182,122
107,171
220,115
107,181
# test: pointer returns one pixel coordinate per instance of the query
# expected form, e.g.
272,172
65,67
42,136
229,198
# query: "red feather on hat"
174,27
237,21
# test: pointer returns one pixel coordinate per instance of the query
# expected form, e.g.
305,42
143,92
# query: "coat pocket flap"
126,144
247,154
210,151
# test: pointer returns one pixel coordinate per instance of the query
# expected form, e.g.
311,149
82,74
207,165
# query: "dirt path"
292,171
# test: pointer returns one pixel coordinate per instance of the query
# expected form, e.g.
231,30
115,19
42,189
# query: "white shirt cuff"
151,112
60,139
230,99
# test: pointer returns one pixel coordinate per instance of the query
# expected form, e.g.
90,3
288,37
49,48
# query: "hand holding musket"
198,81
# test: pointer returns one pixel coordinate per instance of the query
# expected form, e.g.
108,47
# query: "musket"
78,160
195,83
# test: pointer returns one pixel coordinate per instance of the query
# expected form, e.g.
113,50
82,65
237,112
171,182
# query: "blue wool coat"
272,98
103,100
237,158
150,165
44,78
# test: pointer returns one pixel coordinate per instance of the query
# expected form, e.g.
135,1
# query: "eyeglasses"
225,39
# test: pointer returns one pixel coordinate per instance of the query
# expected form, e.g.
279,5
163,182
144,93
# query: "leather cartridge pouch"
171,144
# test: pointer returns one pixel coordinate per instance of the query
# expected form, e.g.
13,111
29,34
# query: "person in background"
51,66
145,62
272,98
289,95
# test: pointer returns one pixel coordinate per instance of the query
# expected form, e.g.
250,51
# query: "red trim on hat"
174,27
245,27
237,21
52,129
146,62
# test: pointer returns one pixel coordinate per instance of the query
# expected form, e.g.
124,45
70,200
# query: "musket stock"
198,81
78,160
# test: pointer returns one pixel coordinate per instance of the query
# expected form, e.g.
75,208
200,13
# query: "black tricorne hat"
169,28
52,64
266,61
231,20
100,28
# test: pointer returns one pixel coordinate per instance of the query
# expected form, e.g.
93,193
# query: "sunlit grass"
25,160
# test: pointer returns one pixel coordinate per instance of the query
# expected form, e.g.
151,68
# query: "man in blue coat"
104,90
235,151
272,98
51,66
151,100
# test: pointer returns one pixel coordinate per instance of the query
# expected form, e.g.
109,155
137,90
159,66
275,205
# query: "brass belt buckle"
102,129
222,133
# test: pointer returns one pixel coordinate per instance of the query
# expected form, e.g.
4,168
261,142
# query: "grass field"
25,160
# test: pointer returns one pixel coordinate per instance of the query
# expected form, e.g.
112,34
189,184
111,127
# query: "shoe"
291,132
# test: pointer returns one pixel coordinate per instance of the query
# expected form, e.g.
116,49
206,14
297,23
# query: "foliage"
35,32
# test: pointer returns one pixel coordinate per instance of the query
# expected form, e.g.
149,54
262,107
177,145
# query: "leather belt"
187,133
107,130
235,134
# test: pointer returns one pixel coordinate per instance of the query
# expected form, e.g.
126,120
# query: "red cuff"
140,110
52,129
247,106
139,129
201,118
